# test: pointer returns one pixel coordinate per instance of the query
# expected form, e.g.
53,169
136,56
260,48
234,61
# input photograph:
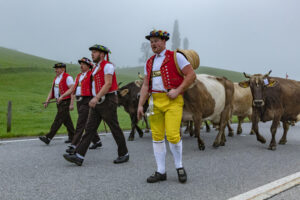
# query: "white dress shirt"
78,89
157,82
57,81
108,69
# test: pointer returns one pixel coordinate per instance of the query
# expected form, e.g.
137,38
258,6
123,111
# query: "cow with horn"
274,99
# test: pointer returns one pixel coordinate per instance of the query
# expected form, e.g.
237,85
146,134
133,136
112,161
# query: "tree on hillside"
176,36
146,51
185,43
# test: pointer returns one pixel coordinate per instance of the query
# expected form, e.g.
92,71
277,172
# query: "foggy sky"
250,36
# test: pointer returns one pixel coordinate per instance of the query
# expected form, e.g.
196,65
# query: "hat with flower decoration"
59,65
87,61
100,48
158,33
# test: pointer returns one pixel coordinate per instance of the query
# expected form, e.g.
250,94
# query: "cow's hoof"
273,148
141,135
130,139
230,134
201,147
239,131
222,143
262,140
216,144
147,131
185,132
282,142
252,133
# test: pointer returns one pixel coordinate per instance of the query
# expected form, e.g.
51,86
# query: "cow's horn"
267,74
140,76
246,75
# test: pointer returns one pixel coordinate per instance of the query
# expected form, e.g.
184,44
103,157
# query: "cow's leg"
197,123
286,127
186,131
147,130
230,130
255,120
252,131
239,128
133,123
274,127
191,128
221,139
207,126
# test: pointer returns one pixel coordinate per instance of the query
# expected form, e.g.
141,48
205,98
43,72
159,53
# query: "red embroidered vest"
85,84
100,81
63,87
169,74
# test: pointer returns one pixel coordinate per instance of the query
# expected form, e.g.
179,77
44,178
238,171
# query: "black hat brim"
80,61
149,36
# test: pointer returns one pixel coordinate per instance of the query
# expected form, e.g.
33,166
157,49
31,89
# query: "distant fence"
9,115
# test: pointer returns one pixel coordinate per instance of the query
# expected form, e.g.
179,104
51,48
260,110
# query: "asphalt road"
33,170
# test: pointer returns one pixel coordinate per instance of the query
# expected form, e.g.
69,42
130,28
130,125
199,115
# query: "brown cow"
242,107
209,98
275,99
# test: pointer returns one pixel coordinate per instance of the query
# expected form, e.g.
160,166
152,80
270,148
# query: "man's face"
84,67
96,55
157,44
58,71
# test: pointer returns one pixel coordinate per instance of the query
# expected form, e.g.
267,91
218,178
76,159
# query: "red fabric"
63,87
86,84
100,81
170,76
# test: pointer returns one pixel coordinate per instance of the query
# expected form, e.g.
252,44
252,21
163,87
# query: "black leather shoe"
96,145
68,141
121,159
182,177
73,159
70,150
44,139
157,177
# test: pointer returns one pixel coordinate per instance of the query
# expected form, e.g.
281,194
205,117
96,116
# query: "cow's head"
258,83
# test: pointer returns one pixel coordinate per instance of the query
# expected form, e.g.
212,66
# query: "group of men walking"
95,90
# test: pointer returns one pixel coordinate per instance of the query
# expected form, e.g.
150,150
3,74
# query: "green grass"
26,80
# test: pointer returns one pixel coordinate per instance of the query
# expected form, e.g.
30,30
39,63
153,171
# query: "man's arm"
189,78
67,93
104,90
144,95
48,98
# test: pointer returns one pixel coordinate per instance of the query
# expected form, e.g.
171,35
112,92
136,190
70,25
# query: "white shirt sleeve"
145,69
181,60
70,81
109,69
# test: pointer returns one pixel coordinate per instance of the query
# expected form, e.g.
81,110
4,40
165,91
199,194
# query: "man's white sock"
176,150
159,149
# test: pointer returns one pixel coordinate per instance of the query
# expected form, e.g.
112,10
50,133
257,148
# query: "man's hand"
173,93
46,104
140,112
71,107
59,100
93,102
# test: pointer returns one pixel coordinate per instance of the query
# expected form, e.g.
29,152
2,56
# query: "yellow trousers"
167,117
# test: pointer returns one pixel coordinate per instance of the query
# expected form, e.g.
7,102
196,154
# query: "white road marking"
37,139
270,189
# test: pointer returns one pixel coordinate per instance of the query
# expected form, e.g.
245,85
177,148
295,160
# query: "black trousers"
83,113
62,117
106,111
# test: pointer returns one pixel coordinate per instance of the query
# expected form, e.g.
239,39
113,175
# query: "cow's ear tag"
244,84
124,92
266,81
272,83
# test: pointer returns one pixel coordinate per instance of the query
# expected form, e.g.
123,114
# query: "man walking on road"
102,106
165,86
62,82
83,91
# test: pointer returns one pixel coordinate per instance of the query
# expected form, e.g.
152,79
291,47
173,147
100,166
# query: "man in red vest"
103,106
165,86
61,83
83,92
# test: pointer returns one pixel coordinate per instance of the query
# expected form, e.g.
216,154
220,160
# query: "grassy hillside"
26,81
